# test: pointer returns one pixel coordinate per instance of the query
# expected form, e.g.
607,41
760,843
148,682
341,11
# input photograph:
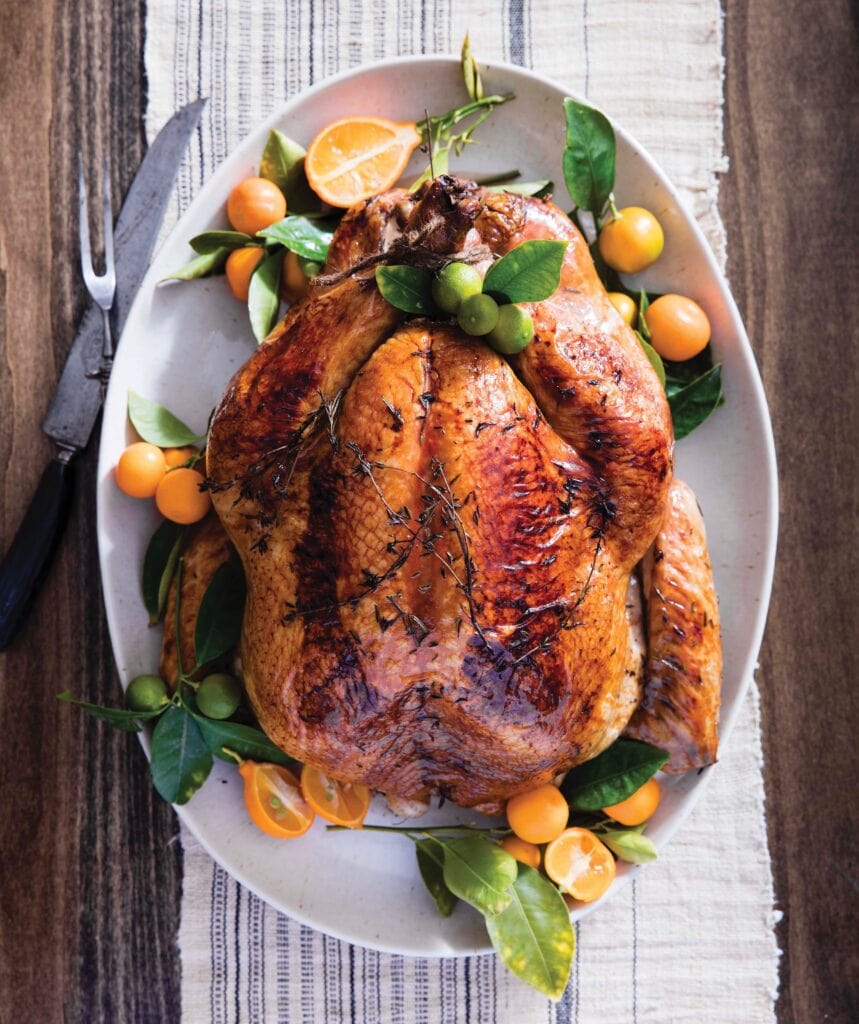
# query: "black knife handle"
26,564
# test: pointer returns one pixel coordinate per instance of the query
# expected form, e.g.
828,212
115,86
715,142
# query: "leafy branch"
526,918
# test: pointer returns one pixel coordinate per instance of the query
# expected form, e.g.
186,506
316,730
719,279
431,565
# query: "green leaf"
643,306
500,178
200,266
245,740
158,425
305,237
283,163
529,273
264,295
678,375
159,564
119,718
653,357
629,844
406,288
470,71
212,241
533,935
588,157
181,761
691,405
478,871
431,866
613,775
438,133
538,189
219,620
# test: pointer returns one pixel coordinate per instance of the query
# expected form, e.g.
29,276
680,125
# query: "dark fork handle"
26,564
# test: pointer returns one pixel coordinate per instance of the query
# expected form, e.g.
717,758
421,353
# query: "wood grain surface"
89,874
791,209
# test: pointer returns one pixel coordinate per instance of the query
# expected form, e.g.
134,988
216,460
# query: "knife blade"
78,397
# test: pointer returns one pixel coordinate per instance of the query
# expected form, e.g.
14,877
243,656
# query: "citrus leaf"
643,306
219,620
588,157
691,405
613,775
529,273
244,740
283,163
470,71
264,295
538,189
200,266
159,564
678,375
629,845
431,867
533,935
181,761
305,237
212,241
497,181
119,718
406,288
653,357
478,871
158,425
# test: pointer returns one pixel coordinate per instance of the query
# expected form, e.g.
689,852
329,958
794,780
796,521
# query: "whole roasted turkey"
443,547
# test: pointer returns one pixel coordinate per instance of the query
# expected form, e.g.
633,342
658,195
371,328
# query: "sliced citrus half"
353,159
343,803
274,800
580,864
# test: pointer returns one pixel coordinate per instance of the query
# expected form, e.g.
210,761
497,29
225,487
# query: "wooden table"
91,876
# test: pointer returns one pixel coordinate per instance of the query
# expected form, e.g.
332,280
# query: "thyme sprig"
439,138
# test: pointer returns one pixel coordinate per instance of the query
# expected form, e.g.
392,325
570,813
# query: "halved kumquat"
274,800
580,864
356,157
343,803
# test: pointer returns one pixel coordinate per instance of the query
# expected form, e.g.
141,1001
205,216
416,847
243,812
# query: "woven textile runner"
691,940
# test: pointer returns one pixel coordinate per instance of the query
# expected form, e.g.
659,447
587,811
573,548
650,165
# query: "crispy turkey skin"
438,542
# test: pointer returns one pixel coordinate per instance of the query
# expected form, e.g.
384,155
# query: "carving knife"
78,397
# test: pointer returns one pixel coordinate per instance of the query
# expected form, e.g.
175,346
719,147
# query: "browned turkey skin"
438,542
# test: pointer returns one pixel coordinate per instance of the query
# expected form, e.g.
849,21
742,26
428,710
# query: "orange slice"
343,803
357,157
580,864
274,801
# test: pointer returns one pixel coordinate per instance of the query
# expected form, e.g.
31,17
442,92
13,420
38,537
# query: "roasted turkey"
442,546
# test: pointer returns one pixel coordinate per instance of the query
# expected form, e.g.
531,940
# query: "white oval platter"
182,342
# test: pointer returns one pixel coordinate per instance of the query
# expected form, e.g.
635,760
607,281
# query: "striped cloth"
691,940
